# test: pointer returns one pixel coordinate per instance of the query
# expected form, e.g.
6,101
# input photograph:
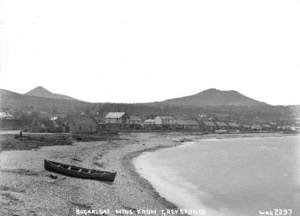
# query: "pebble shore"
26,188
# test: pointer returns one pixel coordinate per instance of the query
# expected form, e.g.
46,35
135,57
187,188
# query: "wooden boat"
79,172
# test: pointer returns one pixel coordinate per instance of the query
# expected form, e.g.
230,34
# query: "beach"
26,188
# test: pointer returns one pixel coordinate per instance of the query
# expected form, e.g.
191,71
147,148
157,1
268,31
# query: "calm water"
234,177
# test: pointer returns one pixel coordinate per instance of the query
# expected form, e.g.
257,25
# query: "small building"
246,127
189,124
233,125
208,126
202,116
101,124
6,116
221,131
55,125
221,125
58,116
256,127
149,124
266,127
81,124
135,122
165,122
287,128
116,118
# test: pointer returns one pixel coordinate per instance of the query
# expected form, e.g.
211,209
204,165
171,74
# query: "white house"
116,118
165,121
5,115
134,120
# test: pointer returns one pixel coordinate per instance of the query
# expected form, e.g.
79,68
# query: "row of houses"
6,116
123,121
82,123
170,122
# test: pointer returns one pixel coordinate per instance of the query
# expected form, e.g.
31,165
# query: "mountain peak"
215,97
40,91
40,88
214,90
210,90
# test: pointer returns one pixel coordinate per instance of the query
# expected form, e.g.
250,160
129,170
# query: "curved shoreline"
23,171
127,161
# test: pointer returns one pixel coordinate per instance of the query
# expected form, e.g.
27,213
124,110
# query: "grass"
32,141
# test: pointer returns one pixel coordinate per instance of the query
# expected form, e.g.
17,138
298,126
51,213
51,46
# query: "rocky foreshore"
26,188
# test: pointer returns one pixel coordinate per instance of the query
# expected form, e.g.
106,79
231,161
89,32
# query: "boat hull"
79,172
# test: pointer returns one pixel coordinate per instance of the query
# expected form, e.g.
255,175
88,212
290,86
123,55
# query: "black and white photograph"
150,108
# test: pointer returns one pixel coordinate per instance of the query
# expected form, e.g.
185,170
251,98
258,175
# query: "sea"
245,176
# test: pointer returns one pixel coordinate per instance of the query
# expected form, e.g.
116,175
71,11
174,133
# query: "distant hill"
214,103
15,101
44,93
214,97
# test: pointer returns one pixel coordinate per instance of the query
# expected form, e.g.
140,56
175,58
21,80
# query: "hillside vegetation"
215,103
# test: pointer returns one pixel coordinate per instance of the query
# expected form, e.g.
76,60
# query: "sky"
141,51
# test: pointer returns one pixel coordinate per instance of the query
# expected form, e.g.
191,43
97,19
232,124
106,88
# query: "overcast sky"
140,51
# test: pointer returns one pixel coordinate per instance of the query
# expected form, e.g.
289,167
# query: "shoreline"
127,160
25,186
22,171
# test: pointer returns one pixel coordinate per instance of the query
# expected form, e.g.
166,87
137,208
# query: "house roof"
136,118
149,121
255,126
82,119
209,123
187,122
115,115
5,115
165,117
233,124
221,124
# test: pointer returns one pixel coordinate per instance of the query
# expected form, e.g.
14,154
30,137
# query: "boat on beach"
79,172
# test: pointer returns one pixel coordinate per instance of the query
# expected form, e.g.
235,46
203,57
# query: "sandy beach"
27,189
